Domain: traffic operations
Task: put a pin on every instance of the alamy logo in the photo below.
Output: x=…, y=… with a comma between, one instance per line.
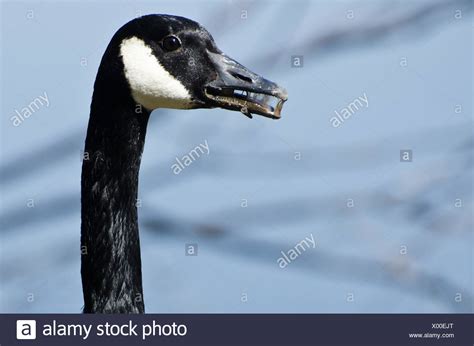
x=26, y=330
x=190, y=157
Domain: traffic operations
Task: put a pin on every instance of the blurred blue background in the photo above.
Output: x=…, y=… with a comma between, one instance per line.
x=390, y=236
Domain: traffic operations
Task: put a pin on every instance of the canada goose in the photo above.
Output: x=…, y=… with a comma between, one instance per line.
x=155, y=61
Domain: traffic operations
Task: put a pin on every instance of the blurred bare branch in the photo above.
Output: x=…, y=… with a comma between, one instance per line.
x=390, y=274
x=411, y=22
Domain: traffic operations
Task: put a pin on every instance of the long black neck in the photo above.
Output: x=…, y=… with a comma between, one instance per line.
x=110, y=246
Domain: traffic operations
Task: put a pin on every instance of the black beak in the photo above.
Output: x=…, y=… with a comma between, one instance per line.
x=238, y=88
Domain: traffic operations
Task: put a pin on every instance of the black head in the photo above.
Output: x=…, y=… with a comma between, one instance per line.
x=173, y=62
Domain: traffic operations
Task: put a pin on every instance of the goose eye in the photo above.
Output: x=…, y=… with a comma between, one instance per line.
x=171, y=43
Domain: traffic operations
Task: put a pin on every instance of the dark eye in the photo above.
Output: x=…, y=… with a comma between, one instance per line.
x=171, y=43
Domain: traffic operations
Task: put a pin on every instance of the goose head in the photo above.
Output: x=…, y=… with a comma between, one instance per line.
x=173, y=62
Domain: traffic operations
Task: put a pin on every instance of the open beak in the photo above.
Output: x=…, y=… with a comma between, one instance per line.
x=238, y=88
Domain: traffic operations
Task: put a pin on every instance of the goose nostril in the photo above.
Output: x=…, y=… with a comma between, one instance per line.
x=241, y=77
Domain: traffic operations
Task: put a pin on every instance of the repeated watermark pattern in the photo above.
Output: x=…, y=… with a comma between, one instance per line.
x=343, y=111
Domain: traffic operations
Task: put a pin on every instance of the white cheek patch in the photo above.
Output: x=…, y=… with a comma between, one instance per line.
x=152, y=86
